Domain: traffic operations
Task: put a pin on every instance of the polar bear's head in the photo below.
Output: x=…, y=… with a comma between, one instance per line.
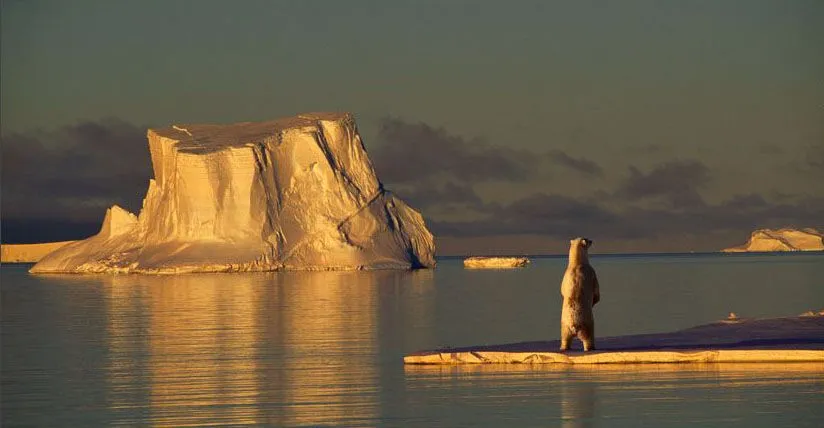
x=578, y=250
x=582, y=243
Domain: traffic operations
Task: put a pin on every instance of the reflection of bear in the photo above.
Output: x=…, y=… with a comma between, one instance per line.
x=580, y=290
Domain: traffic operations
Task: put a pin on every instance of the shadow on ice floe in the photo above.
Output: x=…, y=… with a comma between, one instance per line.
x=788, y=339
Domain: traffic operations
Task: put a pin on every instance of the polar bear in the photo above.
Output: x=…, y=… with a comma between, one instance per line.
x=581, y=292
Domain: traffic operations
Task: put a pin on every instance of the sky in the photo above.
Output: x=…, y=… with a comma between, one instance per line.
x=512, y=126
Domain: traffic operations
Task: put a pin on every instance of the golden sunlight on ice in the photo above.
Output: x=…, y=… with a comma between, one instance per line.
x=296, y=193
x=790, y=339
x=28, y=253
x=495, y=262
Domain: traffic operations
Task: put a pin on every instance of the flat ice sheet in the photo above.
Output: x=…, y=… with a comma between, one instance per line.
x=763, y=340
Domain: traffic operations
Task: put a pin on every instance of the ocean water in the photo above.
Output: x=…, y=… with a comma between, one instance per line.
x=326, y=348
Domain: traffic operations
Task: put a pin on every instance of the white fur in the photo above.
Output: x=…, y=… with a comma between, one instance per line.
x=581, y=292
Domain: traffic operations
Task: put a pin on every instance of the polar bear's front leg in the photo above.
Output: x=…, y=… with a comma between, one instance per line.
x=567, y=334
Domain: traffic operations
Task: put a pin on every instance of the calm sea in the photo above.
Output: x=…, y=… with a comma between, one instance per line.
x=326, y=348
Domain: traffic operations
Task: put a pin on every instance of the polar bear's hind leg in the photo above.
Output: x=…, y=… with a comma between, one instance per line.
x=587, y=336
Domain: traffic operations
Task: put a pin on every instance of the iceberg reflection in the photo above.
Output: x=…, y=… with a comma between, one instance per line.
x=194, y=337
x=288, y=348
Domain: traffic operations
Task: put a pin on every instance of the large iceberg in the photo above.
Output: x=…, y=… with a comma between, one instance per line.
x=808, y=239
x=297, y=193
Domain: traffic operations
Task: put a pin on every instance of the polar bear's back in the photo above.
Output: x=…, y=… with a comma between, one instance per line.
x=578, y=290
x=579, y=283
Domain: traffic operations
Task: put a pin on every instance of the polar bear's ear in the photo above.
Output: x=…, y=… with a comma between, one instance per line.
x=587, y=242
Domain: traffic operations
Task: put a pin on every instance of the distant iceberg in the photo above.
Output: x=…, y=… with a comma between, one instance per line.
x=495, y=262
x=28, y=253
x=298, y=193
x=765, y=240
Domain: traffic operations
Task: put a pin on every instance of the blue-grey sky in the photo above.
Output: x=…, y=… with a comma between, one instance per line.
x=653, y=125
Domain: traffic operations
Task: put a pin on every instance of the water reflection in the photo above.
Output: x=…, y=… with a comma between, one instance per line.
x=325, y=348
x=127, y=365
x=577, y=404
x=193, y=338
x=281, y=349
x=325, y=344
x=622, y=395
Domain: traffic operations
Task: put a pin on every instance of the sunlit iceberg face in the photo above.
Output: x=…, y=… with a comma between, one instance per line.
x=297, y=193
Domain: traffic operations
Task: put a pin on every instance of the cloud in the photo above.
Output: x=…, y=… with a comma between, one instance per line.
x=436, y=171
x=74, y=173
x=742, y=213
x=770, y=149
x=814, y=161
x=57, y=184
x=559, y=216
x=675, y=182
x=448, y=195
x=541, y=214
x=417, y=152
x=744, y=203
x=584, y=166
x=412, y=152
